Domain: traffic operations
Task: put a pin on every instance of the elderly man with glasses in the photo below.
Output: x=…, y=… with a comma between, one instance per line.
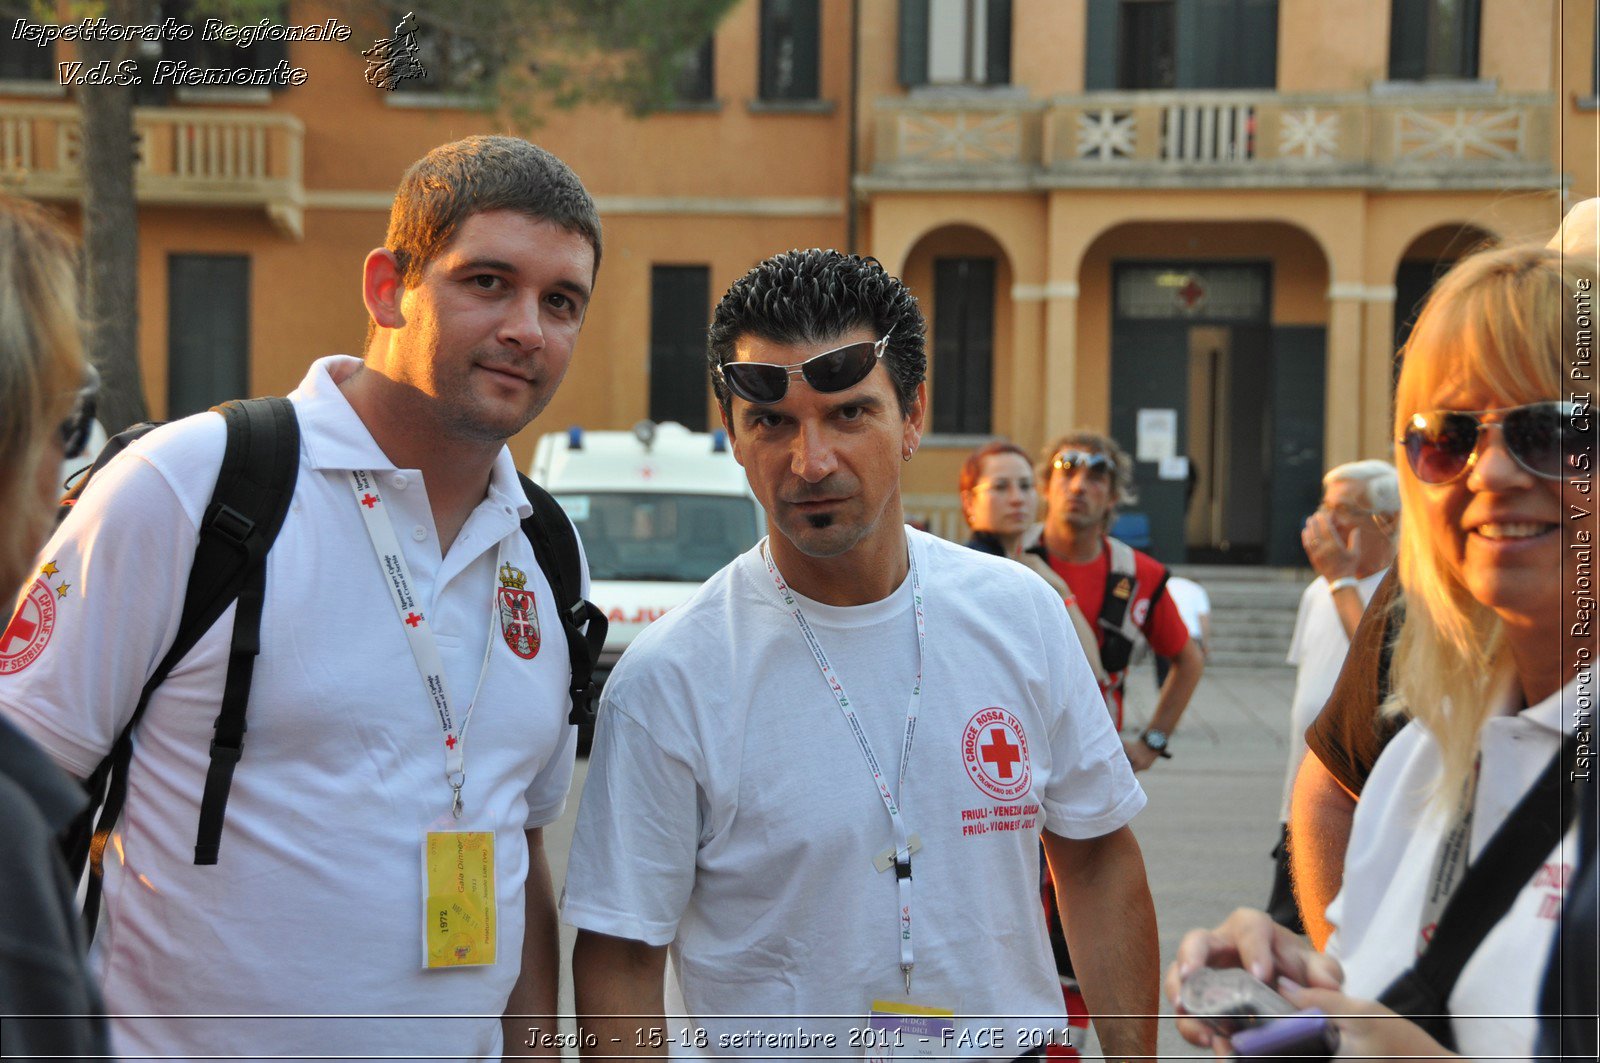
x=1350, y=542
x=849, y=874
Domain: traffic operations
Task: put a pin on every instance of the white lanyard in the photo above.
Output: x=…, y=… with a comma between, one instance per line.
x=905, y=843
x=1450, y=861
x=419, y=634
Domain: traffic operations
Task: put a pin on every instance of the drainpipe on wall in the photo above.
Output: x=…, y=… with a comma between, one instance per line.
x=855, y=89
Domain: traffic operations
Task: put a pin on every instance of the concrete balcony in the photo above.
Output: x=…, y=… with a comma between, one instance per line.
x=194, y=157
x=1421, y=139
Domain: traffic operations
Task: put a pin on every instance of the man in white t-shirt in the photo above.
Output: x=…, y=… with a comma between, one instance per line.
x=312, y=918
x=822, y=781
x=1350, y=542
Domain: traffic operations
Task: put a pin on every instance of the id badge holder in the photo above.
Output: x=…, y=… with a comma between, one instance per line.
x=897, y=1030
x=459, y=924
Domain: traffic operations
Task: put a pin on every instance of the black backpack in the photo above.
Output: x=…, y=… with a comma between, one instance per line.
x=247, y=509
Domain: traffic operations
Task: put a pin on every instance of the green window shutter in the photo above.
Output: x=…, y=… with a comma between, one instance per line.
x=1408, y=40
x=1227, y=44
x=997, y=67
x=1100, y=58
x=1257, y=64
x=913, y=42
x=789, y=49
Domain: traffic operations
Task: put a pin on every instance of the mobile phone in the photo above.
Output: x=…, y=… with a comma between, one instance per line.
x=1230, y=999
x=1309, y=1034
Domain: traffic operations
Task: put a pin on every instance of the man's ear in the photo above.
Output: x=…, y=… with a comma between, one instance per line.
x=916, y=412
x=733, y=438
x=382, y=288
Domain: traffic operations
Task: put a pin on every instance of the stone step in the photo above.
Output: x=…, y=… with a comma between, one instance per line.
x=1247, y=622
x=1221, y=657
x=1207, y=575
x=1257, y=596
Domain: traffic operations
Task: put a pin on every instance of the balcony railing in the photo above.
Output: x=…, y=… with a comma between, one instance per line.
x=1214, y=137
x=186, y=156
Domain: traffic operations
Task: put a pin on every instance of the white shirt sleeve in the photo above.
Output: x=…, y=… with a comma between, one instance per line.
x=1091, y=790
x=121, y=561
x=632, y=864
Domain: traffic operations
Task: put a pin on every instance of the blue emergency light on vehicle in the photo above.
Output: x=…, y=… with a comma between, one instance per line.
x=719, y=441
x=575, y=438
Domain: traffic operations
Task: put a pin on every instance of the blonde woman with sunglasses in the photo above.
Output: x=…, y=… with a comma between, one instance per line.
x=45, y=407
x=1494, y=663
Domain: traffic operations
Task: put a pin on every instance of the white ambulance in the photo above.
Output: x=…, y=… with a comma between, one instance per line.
x=659, y=510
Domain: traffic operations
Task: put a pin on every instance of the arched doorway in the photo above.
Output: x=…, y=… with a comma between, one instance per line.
x=1217, y=357
x=1424, y=261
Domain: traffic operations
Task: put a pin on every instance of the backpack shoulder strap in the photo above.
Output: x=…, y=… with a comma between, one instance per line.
x=555, y=547
x=248, y=507
x=254, y=487
x=1487, y=892
x=1117, y=630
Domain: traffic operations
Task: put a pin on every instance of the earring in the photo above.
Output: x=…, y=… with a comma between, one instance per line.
x=908, y=452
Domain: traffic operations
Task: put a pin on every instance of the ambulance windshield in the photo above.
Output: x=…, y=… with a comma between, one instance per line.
x=669, y=538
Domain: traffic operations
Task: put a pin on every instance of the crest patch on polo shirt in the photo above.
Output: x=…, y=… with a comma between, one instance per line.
x=28, y=633
x=519, y=613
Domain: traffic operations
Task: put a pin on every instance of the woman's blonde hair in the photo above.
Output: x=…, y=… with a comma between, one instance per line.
x=41, y=370
x=1504, y=322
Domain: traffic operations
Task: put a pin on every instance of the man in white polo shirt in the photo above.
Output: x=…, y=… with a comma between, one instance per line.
x=839, y=873
x=356, y=780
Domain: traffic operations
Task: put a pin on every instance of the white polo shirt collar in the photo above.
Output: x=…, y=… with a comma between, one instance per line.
x=335, y=438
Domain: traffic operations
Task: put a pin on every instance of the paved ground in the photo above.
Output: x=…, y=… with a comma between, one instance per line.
x=1212, y=818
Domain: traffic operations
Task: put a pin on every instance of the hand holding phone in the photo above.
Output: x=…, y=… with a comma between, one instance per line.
x=1229, y=999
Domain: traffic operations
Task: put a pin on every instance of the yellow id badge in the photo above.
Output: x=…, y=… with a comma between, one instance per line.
x=458, y=912
x=897, y=1030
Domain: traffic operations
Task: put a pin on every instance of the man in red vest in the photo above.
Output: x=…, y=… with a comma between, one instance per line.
x=1120, y=594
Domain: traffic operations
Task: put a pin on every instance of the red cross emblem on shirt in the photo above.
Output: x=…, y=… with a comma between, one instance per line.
x=414, y=619
x=369, y=500
x=450, y=741
x=994, y=750
x=19, y=628
x=1000, y=753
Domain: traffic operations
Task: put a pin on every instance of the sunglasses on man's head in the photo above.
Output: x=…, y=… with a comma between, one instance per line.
x=75, y=428
x=764, y=383
x=1542, y=437
x=1094, y=464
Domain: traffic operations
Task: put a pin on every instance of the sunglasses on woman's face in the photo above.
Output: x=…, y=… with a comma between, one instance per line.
x=1544, y=438
x=765, y=383
x=75, y=429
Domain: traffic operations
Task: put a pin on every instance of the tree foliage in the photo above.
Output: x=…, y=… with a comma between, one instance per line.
x=533, y=53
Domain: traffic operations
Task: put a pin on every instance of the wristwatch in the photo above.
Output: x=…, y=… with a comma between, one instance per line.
x=1157, y=741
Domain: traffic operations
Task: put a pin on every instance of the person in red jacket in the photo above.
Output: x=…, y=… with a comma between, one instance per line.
x=1085, y=476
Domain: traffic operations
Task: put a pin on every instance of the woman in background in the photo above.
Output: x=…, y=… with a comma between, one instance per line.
x=998, y=498
x=45, y=414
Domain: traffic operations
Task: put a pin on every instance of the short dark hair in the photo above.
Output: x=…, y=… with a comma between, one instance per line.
x=815, y=296
x=454, y=181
